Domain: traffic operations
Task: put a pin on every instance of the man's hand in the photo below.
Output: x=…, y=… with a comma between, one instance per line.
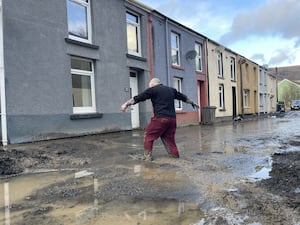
x=195, y=105
x=126, y=104
x=192, y=103
x=124, y=107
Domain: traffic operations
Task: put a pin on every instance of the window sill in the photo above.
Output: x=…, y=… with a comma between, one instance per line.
x=180, y=111
x=75, y=42
x=199, y=72
x=85, y=116
x=136, y=57
x=177, y=67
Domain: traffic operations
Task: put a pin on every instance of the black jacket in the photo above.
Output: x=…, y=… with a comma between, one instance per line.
x=162, y=98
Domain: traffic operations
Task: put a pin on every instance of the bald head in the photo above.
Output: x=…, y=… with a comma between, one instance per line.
x=153, y=82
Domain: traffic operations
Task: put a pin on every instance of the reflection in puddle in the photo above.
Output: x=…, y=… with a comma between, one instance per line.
x=261, y=174
x=71, y=198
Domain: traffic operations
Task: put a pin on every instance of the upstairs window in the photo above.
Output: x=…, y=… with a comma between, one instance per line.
x=79, y=20
x=219, y=64
x=83, y=87
x=232, y=68
x=175, y=49
x=199, y=61
x=133, y=34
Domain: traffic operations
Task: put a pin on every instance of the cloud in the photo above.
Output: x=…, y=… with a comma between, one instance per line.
x=280, y=57
x=202, y=16
x=258, y=57
x=274, y=18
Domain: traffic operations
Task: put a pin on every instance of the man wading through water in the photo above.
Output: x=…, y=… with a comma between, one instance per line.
x=163, y=123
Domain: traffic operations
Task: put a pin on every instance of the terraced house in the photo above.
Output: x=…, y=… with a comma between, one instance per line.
x=223, y=79
x=67, y=65
x=179, y=60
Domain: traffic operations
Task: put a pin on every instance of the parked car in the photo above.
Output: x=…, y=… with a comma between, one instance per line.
x=295, y=105
x=280, y=106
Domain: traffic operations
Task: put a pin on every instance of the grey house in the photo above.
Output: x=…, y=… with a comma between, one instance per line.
x=67, y=65
x=179, y=60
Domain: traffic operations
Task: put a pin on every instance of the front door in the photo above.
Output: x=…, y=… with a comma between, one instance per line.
x=234, y=102
x=135, y=118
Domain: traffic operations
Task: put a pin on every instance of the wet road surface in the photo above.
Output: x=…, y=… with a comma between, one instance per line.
x=100, y=179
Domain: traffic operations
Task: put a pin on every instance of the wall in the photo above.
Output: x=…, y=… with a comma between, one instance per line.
x=163, y=69
x=227, y=112
x=37, y=62
x=250, y=82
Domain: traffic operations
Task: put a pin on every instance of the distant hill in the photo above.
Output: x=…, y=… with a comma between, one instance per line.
x=291, y=73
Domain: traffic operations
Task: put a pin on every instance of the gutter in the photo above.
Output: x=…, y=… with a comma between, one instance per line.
x=2, y=82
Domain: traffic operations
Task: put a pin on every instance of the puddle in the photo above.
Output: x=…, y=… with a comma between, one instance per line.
x=71, y=198
x=262, y=174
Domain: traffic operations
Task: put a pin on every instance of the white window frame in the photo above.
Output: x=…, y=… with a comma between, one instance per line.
x=177, y=84
x=175, y=49
x=219, y=64
x=245, y=98
x=88, y=21
x=91, y=109
x=232, y=69
x=199, y=58
x=137, y=26
x=221, y=97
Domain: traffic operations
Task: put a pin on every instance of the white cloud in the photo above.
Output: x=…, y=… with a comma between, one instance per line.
x=265, y=31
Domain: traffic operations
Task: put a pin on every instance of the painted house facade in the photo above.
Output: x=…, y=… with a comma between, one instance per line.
x=248, y=87
x=179, y=60
x=223, y=79
x=65, y=75
x=272, y=92
x=262, y=90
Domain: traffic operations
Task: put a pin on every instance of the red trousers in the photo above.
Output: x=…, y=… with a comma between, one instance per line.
x=164, y=128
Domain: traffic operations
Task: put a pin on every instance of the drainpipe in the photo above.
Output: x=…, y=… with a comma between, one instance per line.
x=2, y=82
x=207, y=73
x=168, y=53
x=150, y=47
x=242, y=61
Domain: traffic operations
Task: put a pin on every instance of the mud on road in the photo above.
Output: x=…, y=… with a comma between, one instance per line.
x=241, y=173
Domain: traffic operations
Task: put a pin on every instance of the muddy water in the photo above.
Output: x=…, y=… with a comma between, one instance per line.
x=100, y=179
x=71, y=198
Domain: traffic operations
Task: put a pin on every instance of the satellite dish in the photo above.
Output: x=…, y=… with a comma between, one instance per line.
x=191, y=55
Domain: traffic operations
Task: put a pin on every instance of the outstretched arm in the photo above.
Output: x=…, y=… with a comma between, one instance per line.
x=192, y=103
x=126, y=104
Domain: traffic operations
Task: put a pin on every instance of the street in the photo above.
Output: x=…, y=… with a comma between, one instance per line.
x=241, y=172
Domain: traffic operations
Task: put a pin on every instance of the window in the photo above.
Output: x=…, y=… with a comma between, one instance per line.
x=199, y=63
x=133, y=34
x=246, y=98
x=220, y=64
x=175, y=54
x=79, y=20
x=83, y=88
x=221, y=96
x=232, y=68
x=177, y=85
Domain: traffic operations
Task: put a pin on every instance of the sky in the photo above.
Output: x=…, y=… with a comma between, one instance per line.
x=264, y=31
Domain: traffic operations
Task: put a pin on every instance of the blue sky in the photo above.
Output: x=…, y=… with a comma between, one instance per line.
x=265, y=31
